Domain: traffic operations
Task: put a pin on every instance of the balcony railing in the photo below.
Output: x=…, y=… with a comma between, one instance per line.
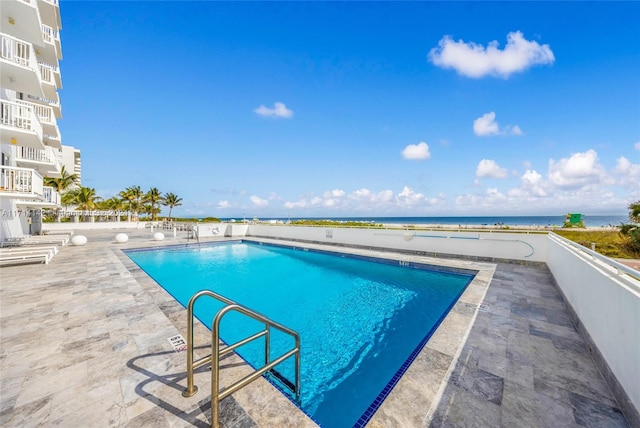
x=51, y=38
x=20, y=116
x=49, y=35
x=53, y=103
x=18, y=52
x=23, y=181
x=46, y=73
x=50, y=195
x=44, y=113
x=46, y=156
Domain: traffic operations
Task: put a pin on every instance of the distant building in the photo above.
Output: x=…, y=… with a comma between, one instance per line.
x=70, y=159
x=30, y=140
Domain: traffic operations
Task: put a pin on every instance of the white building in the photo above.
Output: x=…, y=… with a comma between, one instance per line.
x=70, y=159
x=29, y=135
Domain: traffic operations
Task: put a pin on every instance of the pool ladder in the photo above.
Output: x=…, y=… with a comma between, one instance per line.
x=216, y=353
x=195, y=233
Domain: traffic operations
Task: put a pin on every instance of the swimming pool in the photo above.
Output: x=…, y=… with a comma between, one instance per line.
x=361, y=321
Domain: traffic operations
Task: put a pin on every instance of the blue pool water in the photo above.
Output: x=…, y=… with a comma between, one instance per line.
x=360, y=322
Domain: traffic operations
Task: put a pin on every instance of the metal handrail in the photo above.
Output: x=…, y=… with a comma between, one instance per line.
x=619, y=267
x=214, y=359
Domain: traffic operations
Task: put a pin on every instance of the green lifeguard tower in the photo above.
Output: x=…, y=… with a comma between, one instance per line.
x=573, y=220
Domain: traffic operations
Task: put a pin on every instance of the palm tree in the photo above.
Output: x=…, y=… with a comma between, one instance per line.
x=60, y=184
x=634, y=212
x=154, y=197
x=171, y=200
x=114, y=204
x=127, y=197
x=133, y=194
x=84, y=198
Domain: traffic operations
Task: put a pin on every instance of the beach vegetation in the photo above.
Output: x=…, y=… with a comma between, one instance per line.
x=171, y=200
x=634, y=212
x=623, y=243
x=607, y=242
x=152, y=199
x=630, y=232
x=60, y=185
x=335, y=223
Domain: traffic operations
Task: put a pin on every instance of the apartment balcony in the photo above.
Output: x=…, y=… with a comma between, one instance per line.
x=51, y=50
x=50, y=196
x=49, y=12
x=20, y=70
x=52, y=140
x=49, y=81
x=22, y=20
x=55, y=105
x=45, y=115
x=21, y=183
x=20, y=125
x=50, y=199
x=45, y=161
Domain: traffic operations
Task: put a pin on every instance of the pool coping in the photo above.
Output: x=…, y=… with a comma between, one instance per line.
x=422, y=380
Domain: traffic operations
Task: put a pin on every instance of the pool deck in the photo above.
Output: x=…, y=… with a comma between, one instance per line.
x=84, y=342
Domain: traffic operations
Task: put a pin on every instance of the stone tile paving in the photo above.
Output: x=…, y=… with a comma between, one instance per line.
x=83, y=342
x=524, y=364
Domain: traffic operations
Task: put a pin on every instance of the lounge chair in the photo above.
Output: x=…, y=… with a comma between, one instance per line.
x=15, y=236
x=16, y=257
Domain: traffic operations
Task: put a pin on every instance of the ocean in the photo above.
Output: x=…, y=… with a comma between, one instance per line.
x=589, y=221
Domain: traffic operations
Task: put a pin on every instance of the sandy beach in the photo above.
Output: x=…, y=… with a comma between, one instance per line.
x=492, y=227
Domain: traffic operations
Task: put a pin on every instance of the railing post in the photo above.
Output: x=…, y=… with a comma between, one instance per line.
x=215, y=370
x=191, y=388
x=267, y=346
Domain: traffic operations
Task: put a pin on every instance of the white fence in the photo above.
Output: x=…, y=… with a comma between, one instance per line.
x=606, y=300
x=485, y=245
x=53, y=227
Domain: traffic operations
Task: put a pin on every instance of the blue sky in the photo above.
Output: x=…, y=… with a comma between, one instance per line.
x=318, y=109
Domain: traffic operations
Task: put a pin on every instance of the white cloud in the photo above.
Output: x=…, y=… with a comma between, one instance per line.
x=408, y=197
x=366, y=200
x=628, y=174
x=418, y=151
x=302, y=203
x=489, y=168
x=486, y=125
x=533, y=183
x=491, y=198
x=576, y=171
x=514, y=130
x=575, y=183
x=279, y=110
x=224, y=204
x=258, y=202
x=637, y=145
x=476, y=61
x=333, y=198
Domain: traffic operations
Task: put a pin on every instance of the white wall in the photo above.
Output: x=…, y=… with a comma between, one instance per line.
x=608, y=305
x=93, y=226
x=208, y=230
x=500, y=245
